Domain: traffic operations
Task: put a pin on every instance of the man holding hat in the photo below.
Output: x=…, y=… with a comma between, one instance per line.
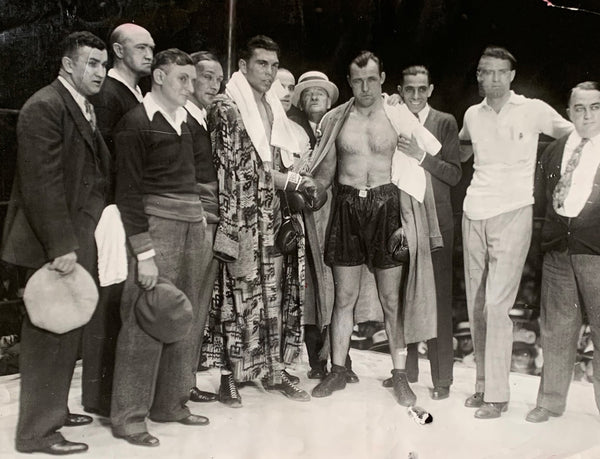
x=58, y=195
x=164, y=221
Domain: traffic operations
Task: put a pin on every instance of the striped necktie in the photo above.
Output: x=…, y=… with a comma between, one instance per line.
x=561, y=191
x=90, y=114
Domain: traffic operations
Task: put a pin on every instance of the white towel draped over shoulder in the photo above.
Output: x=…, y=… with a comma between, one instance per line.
x=112, y=252
x=282, y=135
x=407, y=174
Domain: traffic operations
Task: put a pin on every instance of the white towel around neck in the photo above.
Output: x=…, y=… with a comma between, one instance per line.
x=282, y=135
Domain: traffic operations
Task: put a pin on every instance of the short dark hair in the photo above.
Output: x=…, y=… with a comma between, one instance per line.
x=499, y=52
x=363, y=59
x=171, y=56
x=585, y=85
x=258, y=42
x=72, y=42
x=416, y=70
x=200, y=56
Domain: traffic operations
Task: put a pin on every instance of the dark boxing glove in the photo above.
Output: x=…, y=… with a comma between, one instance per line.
x=315, y=201
x=398, y=246
x=296, y=201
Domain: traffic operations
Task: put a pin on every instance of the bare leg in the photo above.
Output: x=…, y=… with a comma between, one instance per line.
x=347, y=288
x=388, y=289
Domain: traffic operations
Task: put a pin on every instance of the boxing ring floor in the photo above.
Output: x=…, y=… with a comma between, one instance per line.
x=362, y=421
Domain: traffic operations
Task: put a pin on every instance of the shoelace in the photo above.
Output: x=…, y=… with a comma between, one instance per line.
x=233, y=392
x=287, y=382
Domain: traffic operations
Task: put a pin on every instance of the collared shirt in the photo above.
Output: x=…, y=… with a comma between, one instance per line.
x=582, y=180
x=137, y=92
x=505, y=147
x=151, y=107
x=79, y=98
x=423, y=114
x=313, y=126
x=199, y=114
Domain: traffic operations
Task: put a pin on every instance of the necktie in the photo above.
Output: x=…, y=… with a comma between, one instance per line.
x=90, y=114
x=561, y=191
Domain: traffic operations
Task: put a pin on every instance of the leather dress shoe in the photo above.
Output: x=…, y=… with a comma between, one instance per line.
x=491, y=410
x=200, y=396
x=75, y=420
x=387, y=383
x=293, y=379
x=440, y=392
x=62, y=448
x=141, y=439
x=316, y=373
x=539, y=414
x=194, y=420
x=336, y=380
x=475, y=400
x=351, y=377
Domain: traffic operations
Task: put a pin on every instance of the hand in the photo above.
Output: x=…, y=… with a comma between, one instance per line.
x=410, y=147
x=64, y=264
x=309, y=186
x=394, y=99
x=147, y=273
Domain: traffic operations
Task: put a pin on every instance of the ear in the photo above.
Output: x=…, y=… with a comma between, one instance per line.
x=512, y=75
x=430, y=90
x=158, y=76
x=399, y=89
x=242, y=66
x=118, y=50
x=67, y=64
x=569, y=114
x=382, y=77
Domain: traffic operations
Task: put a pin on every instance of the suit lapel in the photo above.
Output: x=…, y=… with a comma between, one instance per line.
x=83, y=125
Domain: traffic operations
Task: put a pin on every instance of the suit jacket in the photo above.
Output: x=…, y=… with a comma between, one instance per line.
x=445, y=167
x=299, y=117
x=578, y=235
x=110, y=104
x=60, y=163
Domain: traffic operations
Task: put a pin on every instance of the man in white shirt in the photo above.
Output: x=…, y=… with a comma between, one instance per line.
x=567, y=188
x=497, y=218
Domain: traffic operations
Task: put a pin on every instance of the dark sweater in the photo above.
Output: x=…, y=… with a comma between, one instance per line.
x=151, y=160
x=577, y=235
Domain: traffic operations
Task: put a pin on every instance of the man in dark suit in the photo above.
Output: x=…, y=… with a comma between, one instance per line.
x=567, y=191
x=415, y=90
x=58, y=196
x=132, y=49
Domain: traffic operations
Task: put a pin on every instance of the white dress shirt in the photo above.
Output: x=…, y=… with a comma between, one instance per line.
x=79, y=98
x=505, y=147
x=582, y=179
x=152, y=107
x=199, y=114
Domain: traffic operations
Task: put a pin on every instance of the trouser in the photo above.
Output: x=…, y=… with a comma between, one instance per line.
x=46, y=364
x=153, y=378
x=207, y=275
x=569, y=283
x=495, y=250
x=440, y=351
x=98, y=349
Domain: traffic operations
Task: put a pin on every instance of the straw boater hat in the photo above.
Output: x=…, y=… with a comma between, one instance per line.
x=315, y=79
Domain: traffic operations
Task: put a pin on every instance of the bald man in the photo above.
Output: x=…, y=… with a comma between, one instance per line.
x=132, y=50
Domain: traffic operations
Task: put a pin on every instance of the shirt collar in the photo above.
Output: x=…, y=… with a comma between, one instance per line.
x=575, y=139
x=424, y=113
x=514, y=99
x=79, y=98
x=199, y=114
x=151, y=107
x=137, y=92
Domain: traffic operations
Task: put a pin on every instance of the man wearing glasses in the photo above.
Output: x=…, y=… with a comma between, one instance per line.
x=497, y=217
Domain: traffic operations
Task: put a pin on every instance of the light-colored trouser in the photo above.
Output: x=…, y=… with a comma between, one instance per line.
x=495, y=250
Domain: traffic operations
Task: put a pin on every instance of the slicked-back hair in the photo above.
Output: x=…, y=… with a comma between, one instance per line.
x=363, y=59
x=171, y=56
x=416, y=70
x=200, y=56
x=72, y=42
x=499, y=52
x=585, y=85
x=258, y=42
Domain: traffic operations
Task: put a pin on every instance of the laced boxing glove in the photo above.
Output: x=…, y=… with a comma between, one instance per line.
x=316, y=201
x=296, y=201
x=398, y=246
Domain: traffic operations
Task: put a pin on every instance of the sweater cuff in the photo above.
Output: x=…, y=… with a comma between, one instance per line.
x=141, y=243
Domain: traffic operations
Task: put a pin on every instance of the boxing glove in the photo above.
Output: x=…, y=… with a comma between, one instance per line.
x=398, y=246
